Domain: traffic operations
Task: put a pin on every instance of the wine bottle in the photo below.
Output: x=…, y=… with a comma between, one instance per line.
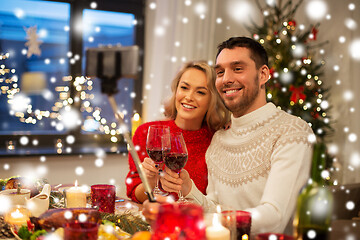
x=315, y=202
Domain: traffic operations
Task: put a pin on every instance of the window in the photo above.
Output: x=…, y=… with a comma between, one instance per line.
x=43, y=58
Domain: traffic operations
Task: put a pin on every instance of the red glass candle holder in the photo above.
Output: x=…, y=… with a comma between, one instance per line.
x=81, y=231
x=179, y=221
x=243, y=224
x=273, y=236
x=103, y=197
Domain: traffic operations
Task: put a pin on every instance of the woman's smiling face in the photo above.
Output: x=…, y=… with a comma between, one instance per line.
x=192, y=97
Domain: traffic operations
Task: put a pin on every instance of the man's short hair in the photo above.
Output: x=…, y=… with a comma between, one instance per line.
x=258, y=53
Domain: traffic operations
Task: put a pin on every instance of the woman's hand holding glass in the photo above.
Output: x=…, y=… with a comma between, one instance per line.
x=151, y=170
x=176, y=157
x=173, y=182
x=157, y=142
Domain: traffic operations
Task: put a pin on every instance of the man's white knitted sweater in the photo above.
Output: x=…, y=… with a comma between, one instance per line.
x=259, y=165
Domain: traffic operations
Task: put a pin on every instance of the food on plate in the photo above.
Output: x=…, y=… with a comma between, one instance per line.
x=56, y=218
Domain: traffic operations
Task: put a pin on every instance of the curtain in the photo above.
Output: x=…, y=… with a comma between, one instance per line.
x=175, y=32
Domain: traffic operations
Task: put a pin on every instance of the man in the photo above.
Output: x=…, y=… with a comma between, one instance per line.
x=263, y=160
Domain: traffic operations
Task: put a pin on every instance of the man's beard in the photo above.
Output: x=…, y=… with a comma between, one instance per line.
x=247, y=99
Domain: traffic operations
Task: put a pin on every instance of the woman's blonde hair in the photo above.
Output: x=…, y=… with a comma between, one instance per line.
x=217, y=115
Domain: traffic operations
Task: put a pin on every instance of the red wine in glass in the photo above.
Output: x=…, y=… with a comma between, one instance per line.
x=155, y=154
x=157, y=142
x=176, y=158
x=176, y=161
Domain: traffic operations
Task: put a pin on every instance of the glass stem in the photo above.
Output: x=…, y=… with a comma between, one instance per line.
x=157, y=180
x=181, y=197
x=156, y=188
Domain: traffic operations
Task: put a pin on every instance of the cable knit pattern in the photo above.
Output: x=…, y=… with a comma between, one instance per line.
x=258, y=165
x=251, y=159
x=197, y=143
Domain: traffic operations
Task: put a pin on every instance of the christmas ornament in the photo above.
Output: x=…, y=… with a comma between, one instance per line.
x=297, y=93
x=33, y=44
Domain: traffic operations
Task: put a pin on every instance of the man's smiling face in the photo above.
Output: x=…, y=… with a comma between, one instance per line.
x=237, y=80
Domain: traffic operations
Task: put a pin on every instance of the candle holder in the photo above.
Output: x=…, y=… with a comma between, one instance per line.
x=273, y=236
x=81, y=231
x=224, y=217
x=216, y=229
x=243, y=225
x=179, y=221
x=103, y=197
x=17, y=216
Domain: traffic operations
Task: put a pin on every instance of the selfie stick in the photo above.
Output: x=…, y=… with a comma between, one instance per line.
x=100, y=58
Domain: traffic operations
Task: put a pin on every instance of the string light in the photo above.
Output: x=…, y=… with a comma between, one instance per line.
x=83, y=87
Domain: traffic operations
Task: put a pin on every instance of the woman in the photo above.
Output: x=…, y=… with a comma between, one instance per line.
x=194, y=109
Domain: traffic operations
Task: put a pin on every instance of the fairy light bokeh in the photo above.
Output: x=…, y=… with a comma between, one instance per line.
x=315, y=10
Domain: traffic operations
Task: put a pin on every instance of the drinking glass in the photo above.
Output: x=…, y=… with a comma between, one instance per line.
x=176, y=158
x=81, y=231
x=158, y=142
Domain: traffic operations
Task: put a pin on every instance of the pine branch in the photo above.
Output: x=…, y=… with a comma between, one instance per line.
x=127, y=222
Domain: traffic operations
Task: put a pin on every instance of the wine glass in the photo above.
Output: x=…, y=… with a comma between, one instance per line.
x=176, y=158
x=158, y=141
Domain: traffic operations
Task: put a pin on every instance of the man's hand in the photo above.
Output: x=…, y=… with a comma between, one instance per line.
x=173, y=182
x=151, y=209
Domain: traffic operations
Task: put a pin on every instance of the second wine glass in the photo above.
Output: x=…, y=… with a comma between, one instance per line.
x=176, y=158
x=158, y=142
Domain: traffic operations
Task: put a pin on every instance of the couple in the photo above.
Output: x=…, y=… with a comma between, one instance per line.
x=261, y=162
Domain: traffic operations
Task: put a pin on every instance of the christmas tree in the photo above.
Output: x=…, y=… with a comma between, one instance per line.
x=296, y=83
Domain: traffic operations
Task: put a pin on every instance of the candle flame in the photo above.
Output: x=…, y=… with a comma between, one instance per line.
x=136, y=117
x=218, y=209
x=215, y=221
x=245, y=237
x=17, y=214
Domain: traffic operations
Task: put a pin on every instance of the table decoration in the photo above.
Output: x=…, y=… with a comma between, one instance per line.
x=75, y=197
x=81, y=231
x=273, y=236
x=103, y=197
x=215, y=230
x=179, y=221
x=243, y=225
x=28, y=232
x=17, y=217
x=5, y=231
x=126, y=220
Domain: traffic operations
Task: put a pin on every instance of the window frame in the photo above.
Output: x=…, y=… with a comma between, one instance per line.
x=136, y=7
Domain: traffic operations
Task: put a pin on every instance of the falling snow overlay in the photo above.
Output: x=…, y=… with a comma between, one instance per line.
x=192, y=32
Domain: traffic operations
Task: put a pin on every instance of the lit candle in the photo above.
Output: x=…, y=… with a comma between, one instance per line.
x=217, y=231
x=135, y=123
x=75, y=197
x=17, y=217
